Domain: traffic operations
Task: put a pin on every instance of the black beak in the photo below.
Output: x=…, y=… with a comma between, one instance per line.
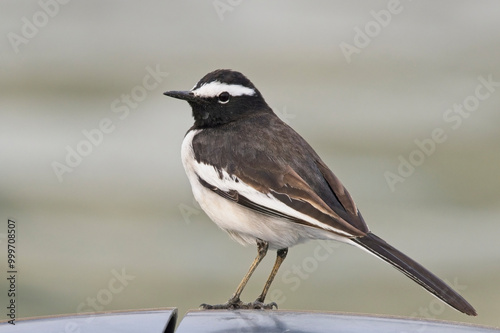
x=184, y=95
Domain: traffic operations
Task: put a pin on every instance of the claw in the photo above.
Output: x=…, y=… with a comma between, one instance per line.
x=260, y=305
x=237, y=304
x=225, y=306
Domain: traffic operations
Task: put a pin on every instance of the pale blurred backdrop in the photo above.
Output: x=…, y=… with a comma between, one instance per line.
x=362, y=81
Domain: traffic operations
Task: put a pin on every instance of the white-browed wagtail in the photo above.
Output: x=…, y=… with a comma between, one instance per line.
x=260, y=181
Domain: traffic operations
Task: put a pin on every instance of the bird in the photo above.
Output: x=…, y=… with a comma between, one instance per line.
x=262, y=183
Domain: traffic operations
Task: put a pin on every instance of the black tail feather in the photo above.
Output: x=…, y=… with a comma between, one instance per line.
x=414, y=271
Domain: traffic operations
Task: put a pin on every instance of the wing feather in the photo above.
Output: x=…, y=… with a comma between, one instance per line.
x=289, y=171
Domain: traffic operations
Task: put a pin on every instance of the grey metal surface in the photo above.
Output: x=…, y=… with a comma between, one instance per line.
x=157, y=320
x=311, y=322
x=242, y=321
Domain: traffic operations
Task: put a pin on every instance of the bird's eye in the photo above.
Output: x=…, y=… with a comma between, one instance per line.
x=224, y=97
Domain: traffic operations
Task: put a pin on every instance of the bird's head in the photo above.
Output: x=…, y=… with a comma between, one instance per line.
x=220, y=97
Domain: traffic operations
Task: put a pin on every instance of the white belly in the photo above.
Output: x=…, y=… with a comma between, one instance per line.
x=243, y=224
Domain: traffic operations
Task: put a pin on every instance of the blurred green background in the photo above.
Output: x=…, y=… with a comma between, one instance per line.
x=126, y=209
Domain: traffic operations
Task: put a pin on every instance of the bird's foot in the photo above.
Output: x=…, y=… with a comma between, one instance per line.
x=225, y=306
x=236, y=304
x=261, y=305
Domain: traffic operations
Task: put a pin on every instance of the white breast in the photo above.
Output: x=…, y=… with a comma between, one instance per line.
x=244, y=224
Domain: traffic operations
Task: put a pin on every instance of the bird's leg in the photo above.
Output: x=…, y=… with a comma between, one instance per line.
x=234, y=302
x=262, y=247
x=280, y=257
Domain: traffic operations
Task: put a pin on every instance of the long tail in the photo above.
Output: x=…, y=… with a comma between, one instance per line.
x=414, y=271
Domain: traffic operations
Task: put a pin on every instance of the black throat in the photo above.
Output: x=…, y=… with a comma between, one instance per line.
x=213, y=114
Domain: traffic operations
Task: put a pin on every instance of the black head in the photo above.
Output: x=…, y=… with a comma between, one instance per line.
x=220, y=97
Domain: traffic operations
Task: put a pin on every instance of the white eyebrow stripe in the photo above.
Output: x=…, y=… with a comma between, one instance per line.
x=214, y=88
